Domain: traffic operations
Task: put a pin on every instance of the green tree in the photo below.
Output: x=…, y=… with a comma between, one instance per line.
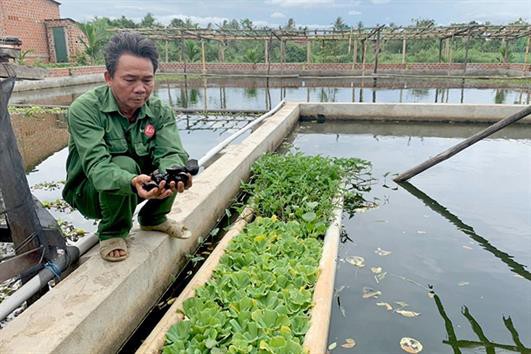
x=94, y=38
x=340, y=25
x=122, y=22
x=290, y=25
x=247, y=24
x=149, y=21
x=251, y=56
x=191, y=51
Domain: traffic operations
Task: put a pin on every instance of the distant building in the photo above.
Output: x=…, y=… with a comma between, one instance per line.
x=38, y=24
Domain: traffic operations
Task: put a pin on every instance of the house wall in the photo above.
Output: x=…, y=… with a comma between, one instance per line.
x=25, y=19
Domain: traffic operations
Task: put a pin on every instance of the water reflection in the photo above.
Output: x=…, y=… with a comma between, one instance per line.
x=484, y=342
x=469, y=230
x=262, y=94
x=39, y=137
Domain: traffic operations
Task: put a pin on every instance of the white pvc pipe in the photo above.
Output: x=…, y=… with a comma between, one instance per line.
x=84, y=244
x=29, y=289
x=216, y=149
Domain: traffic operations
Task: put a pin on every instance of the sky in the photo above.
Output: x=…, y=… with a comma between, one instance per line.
x=310, y=13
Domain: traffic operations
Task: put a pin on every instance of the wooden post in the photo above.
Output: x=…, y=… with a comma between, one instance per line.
x=467, y=40
x=308, y=52
x=527, y=49
x=20, y=208
x=166, y=51
x=203, y=58
x=183, y=54
x=349, y=40
x=364, y=57
x=269, y=60
x=266, y=51
x=376, y=52
x=463, y=145
x=440, y=49
x=355, y=53
x=221, y=52
x=282, y=58
x=506, y=54
x=404, y=47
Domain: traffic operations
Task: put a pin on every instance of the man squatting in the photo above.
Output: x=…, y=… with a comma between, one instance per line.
x=118, y=135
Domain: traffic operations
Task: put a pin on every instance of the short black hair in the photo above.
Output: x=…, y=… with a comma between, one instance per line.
x=129, y=43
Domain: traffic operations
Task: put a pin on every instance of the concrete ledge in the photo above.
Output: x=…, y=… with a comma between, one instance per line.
x=95, y=308
x=420, y=112
x=57, y=82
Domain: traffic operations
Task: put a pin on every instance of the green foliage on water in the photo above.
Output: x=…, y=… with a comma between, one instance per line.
x=259, y=297
x=34, y=111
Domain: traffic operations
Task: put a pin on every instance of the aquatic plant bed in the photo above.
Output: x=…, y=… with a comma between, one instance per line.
x=259, y=297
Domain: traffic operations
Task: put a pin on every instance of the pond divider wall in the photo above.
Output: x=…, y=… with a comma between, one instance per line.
x=57, y=82
x=316, y=338
x=418, y=112
x=95, y=308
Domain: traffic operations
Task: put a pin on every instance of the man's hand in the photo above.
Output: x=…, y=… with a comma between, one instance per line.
x=160, y=192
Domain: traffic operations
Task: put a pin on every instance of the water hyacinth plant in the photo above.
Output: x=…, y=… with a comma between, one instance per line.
x=259, y=297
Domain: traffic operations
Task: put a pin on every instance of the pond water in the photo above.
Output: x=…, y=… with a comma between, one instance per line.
x=461, y=228
x=239, y=94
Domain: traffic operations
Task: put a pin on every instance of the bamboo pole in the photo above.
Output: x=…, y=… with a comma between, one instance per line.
x=308, y=52
x=404, y=47
x=462, y=145
x=221, y=53
x=364, y=58
x=505, y=42
x=450, y=59
x=440, y=50
x=203, y=57
x=467, y=40
x=527, y=49
x=282, y=54
x=376, y=53
x=350, y=40
x=355, y=53
x=266, y=51
x=183, y=55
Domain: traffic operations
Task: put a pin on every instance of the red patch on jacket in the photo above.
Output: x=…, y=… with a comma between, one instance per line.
x=149, y=130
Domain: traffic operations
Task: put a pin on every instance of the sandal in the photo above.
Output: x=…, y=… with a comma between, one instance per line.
x=170, y=227
x=113, y=244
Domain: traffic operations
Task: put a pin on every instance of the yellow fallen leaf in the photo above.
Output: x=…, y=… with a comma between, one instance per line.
x=332, y=346
x=386, y=305
x=356, y=261
x=349, y=343
x=407, y=313
x=376, y=270
x=368, y=293
x=381, y=252
x=410, y=345
x=379, y=277
x=401, y=303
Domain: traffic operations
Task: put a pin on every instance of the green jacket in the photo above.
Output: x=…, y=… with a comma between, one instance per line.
x=98, y=132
